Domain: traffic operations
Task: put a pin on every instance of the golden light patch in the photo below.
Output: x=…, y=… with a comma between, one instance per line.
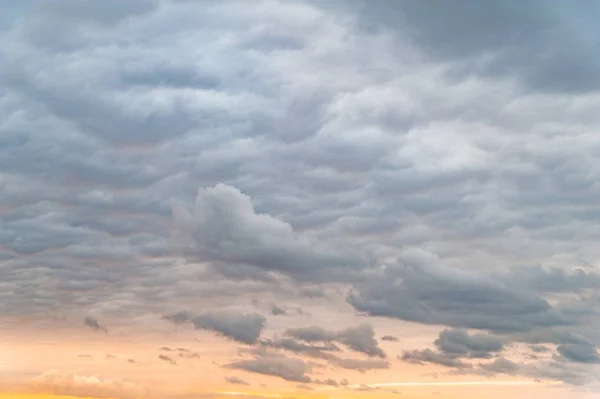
x=42, y=396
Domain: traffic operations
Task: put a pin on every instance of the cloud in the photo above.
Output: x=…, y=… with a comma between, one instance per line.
x=242, y=327
x=461, y=344
x=225, y=227
x=455, y=345
x=579, y=353
x=179, y=317
x=311, y=334
x=339, y=136
x=293, y=345
x=547, y=370
x=536, y=28
x=389, y=338
x=64, y=383
x=167, y=359
x=236, y=381
x=238, y=326
x=289, y=369
x=539, y=348
x=360, y=364
x=94, y=324
x=428, y=356
x=80, y=11
x=277, y=311
x=501, y=366
x=432, y=293
x=553, y=280
x=359, y=338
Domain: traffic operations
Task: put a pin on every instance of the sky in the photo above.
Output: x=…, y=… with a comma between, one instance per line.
x=299, y=199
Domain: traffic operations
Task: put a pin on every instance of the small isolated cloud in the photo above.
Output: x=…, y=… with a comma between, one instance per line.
x=389, y=338
x=167, y=359
x=94, y=324
x=236, y=381
x=63, y=383
x=277, y=311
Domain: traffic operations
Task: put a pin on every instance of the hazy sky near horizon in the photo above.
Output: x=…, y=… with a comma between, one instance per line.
x=299, y=199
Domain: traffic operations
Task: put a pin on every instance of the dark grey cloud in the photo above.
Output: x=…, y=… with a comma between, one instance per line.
x=277, y=311
x=242, y=327
x=462, y=344
x=535, y=42
x=432, y=293
x=579, y=353
x=94, y=324
x=390, y=338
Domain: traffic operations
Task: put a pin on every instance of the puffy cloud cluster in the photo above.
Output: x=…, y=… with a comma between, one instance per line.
x=57, y=382
x=225, y=228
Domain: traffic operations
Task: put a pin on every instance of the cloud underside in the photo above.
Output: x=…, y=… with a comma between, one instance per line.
x=410, y=155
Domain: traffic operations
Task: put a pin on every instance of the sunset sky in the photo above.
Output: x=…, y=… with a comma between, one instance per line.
x=299, y=199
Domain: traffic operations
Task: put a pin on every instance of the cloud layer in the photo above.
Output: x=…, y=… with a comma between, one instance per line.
x=388, y=165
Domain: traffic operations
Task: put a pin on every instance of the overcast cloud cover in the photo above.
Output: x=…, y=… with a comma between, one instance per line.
x=218, y=166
